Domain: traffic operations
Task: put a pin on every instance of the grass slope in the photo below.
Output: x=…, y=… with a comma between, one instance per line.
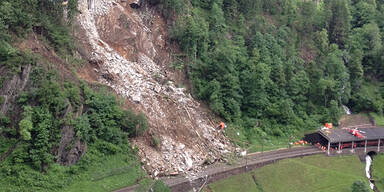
x=113, y=172
x=267, y=143
x=378, y=171
x=378, y=118
x=313, y=173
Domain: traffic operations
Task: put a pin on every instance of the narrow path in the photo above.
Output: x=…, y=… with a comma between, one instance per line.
x=221, y=171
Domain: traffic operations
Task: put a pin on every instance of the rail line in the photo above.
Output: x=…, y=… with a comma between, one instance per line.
x=217, y=172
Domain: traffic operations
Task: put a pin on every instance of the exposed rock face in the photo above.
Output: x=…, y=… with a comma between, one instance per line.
x=71, y=148
x=130, y=49
x=12, y=87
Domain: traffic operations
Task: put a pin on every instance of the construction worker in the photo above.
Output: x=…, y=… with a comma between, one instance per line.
x=221, y=127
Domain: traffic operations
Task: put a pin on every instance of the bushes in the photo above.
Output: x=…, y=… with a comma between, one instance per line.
x=368, y=98
x=19, y=17
x=72, y=92
x=155, y=142
x=46, y=111
x=82, y=128
x=26, y=124
x=134, y=125
x=159, y=186
x=15, y=18
x=4, y=123
x=107, y=148
x=14, y=59
x=359, y=186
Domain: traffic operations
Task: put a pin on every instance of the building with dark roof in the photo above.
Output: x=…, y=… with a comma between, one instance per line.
x=344, y=138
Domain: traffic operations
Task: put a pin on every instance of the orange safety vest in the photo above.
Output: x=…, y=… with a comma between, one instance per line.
x=222, y=125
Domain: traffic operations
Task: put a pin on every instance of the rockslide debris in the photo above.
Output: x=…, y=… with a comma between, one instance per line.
x=186, y=134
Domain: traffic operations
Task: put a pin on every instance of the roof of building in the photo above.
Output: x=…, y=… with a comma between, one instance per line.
x=343, y=135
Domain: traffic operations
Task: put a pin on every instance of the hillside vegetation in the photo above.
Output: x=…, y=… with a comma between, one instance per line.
x=378, y=171
x=275, y=67
x=56, y=131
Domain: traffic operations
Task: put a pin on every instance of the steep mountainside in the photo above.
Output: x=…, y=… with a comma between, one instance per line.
x=128, y=49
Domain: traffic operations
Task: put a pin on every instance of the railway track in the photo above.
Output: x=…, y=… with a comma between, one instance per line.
x=217, y=172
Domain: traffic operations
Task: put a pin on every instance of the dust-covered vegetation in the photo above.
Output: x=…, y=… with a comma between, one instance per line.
x=32, y=131
x=276, y=67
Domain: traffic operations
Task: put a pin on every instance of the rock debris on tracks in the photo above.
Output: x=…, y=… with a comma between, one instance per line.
x=211, y=174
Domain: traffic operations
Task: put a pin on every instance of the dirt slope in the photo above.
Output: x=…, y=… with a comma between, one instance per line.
x=128, y=52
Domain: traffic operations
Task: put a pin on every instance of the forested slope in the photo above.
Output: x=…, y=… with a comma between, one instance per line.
x=51, y=119
x=278, y=66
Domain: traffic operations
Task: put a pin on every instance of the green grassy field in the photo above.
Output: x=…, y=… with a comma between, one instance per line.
x=312, y=173
x=378, y=118
x=114, y=172
x=378, y=171
x=268, y=143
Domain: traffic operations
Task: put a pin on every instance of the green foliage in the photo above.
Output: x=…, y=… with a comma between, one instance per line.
x=15, y=18
x=359, y=186
x=94, y=172
x=49, y=105
x=4, y=123
x=379, y=119
x=82, y=127
x=44, y=17
x=368, y=98
x=378, y=172
x=72, y=9
x=58, y=35
x=155, y=142
x=26, y=124
x=159, y=186
x=170, y=7
x=142, y=123
x=284, y=65
x=363, y=13
x=41, y=143
x=107, y=147
x=339, y=21
x=134, y=125
x=192, y=35
x=72, y=92
x=14, y=59
x=50, y=96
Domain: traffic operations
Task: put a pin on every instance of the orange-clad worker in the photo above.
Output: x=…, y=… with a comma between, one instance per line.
x=221, y=127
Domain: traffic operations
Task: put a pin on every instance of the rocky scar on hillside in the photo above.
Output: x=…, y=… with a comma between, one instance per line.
x=127, y=50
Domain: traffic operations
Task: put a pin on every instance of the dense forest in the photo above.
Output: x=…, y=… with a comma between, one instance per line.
x=278, y=66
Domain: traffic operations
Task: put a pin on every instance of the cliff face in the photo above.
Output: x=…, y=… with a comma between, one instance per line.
x=127, y=51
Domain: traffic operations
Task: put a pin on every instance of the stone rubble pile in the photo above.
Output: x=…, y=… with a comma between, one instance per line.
x=138, y=82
